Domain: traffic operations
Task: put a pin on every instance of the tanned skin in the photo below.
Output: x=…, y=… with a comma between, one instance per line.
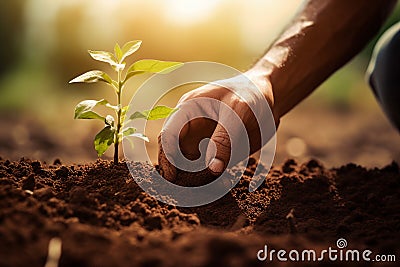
x=323, y=36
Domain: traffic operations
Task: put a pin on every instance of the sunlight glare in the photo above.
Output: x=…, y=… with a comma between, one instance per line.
x=186, y=12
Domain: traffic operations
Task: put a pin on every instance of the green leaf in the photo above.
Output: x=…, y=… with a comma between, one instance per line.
x=131, y=132
x=88, y=115
x=118, y=52
x=139, y=135
x=130, y=48
x=119, y=67
x=158, y=112
x=128, y=131
x=92, y=77
x=115, y=85
x=104, y=139
x=109, y=120
x=151, y=66
x=84, y=109
x=138, y=115
x=112, y=107
x=154, y=66
x=125, y=110
x=103, y=57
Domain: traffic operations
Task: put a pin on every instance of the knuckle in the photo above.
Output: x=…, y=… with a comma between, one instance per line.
x=222, y=140
x=189, y=95
x=240, y=103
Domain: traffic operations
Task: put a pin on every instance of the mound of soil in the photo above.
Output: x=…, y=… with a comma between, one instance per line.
x=103, y=218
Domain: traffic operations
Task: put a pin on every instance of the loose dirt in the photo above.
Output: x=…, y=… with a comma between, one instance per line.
x=103, y=218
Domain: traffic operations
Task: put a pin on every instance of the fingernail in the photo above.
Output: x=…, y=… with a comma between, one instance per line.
x=216, y=165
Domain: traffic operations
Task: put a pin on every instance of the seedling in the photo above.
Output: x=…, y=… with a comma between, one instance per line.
x=114, y=130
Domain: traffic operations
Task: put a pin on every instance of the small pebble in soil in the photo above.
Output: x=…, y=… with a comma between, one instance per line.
x=153, y=222
x=289, y=165
x=36, y=166
x=62, y=172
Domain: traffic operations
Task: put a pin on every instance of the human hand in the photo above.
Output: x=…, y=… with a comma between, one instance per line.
x=218, y=112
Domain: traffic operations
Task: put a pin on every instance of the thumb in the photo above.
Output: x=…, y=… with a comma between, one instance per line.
x=167, y=168
x=220, y=145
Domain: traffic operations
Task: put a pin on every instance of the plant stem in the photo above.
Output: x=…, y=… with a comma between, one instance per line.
x=118, y=130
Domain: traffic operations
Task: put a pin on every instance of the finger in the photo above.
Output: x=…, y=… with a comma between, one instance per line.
x=192, y=134
x=167, y=168
x=220, y=145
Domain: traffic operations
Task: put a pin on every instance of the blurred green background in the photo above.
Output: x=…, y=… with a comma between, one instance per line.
x=45, y=42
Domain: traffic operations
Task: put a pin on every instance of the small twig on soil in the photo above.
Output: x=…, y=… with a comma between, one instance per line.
x=291, y=221
x=54, y=252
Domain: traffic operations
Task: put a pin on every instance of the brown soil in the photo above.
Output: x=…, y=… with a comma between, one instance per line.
x=104, y=219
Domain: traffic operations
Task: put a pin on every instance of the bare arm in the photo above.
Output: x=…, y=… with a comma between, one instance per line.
x=324, y=35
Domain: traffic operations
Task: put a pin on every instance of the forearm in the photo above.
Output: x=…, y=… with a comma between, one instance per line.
x=324, y=35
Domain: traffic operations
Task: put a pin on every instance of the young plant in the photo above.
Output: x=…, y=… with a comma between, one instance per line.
x=114, y=131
